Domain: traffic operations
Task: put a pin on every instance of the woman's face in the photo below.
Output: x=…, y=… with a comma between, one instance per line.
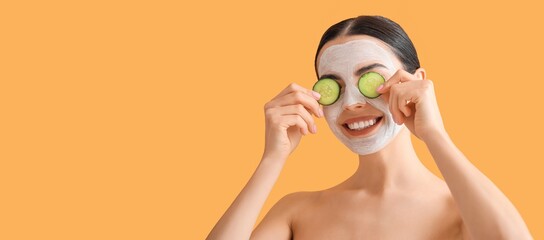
x=364, y=125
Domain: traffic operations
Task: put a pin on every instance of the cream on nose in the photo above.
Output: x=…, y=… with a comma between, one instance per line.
x=355, y=106
x=353, y=99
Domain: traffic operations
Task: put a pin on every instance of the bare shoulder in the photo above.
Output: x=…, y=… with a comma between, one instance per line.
x=440, y=198
x=451, y=212
x=277, y=222
x=448, y=214
x=293, y=202
x=300, y=197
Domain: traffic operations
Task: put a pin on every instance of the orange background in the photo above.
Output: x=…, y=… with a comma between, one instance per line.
x=143, y=120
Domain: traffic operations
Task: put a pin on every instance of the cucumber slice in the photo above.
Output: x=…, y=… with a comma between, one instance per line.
x=369, y=82
x=329, y=90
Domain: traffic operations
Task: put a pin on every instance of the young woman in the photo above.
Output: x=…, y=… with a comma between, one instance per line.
x=391, y=195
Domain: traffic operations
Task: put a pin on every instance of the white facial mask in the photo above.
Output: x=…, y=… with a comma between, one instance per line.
x=343, y=60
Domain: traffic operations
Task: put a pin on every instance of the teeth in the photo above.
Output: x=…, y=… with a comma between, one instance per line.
x=358, y=125
x=362, y=124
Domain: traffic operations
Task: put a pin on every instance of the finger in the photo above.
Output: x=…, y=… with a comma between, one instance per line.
x=403, y=106
x=298, y=98
x=400, y=76
x=295, y=120
x=293, y=87
x=301, y=111
x=394, y=108
x=404, y=98
x=280, y=114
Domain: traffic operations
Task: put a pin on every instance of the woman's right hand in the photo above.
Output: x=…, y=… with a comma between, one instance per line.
x=288, y=117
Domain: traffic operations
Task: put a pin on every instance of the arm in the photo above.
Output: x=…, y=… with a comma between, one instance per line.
x=486, y=211
x=240, y=217
x=288, y=118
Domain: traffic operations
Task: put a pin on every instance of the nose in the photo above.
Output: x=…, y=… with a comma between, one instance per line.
x=355, y=106
x=353, y=99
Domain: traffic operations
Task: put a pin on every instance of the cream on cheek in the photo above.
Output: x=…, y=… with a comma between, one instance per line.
x=343, y=60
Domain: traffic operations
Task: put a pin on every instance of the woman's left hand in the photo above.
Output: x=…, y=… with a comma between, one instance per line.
x=412, y=101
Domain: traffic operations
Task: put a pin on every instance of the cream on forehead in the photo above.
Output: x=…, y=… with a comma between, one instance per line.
x=343, y=59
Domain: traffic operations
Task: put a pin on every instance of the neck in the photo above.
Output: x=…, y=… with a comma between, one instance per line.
x=395, y=166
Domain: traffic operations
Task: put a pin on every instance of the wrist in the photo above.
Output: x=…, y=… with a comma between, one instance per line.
x=273, y=158
x=435, y=135
x=270, y=166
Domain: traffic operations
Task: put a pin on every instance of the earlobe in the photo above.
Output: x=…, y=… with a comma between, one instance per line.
x=421, y=74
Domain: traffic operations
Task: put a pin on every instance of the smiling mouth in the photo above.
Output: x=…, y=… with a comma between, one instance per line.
x=362, y=127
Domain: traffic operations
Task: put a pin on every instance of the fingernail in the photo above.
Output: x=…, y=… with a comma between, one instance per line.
x=379, y=88
x=321, y=114
x=314, y=128
x=316, y=95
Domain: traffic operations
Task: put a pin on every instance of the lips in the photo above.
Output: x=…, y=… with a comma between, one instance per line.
x=362, y=126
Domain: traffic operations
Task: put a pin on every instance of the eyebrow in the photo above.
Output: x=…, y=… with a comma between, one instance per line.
x=359, y=72
x=369, y=67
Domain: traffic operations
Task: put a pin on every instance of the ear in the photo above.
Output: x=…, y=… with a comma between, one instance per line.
x=420, y=74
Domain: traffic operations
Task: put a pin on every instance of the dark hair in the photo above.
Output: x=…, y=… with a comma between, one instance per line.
x=381, y=28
